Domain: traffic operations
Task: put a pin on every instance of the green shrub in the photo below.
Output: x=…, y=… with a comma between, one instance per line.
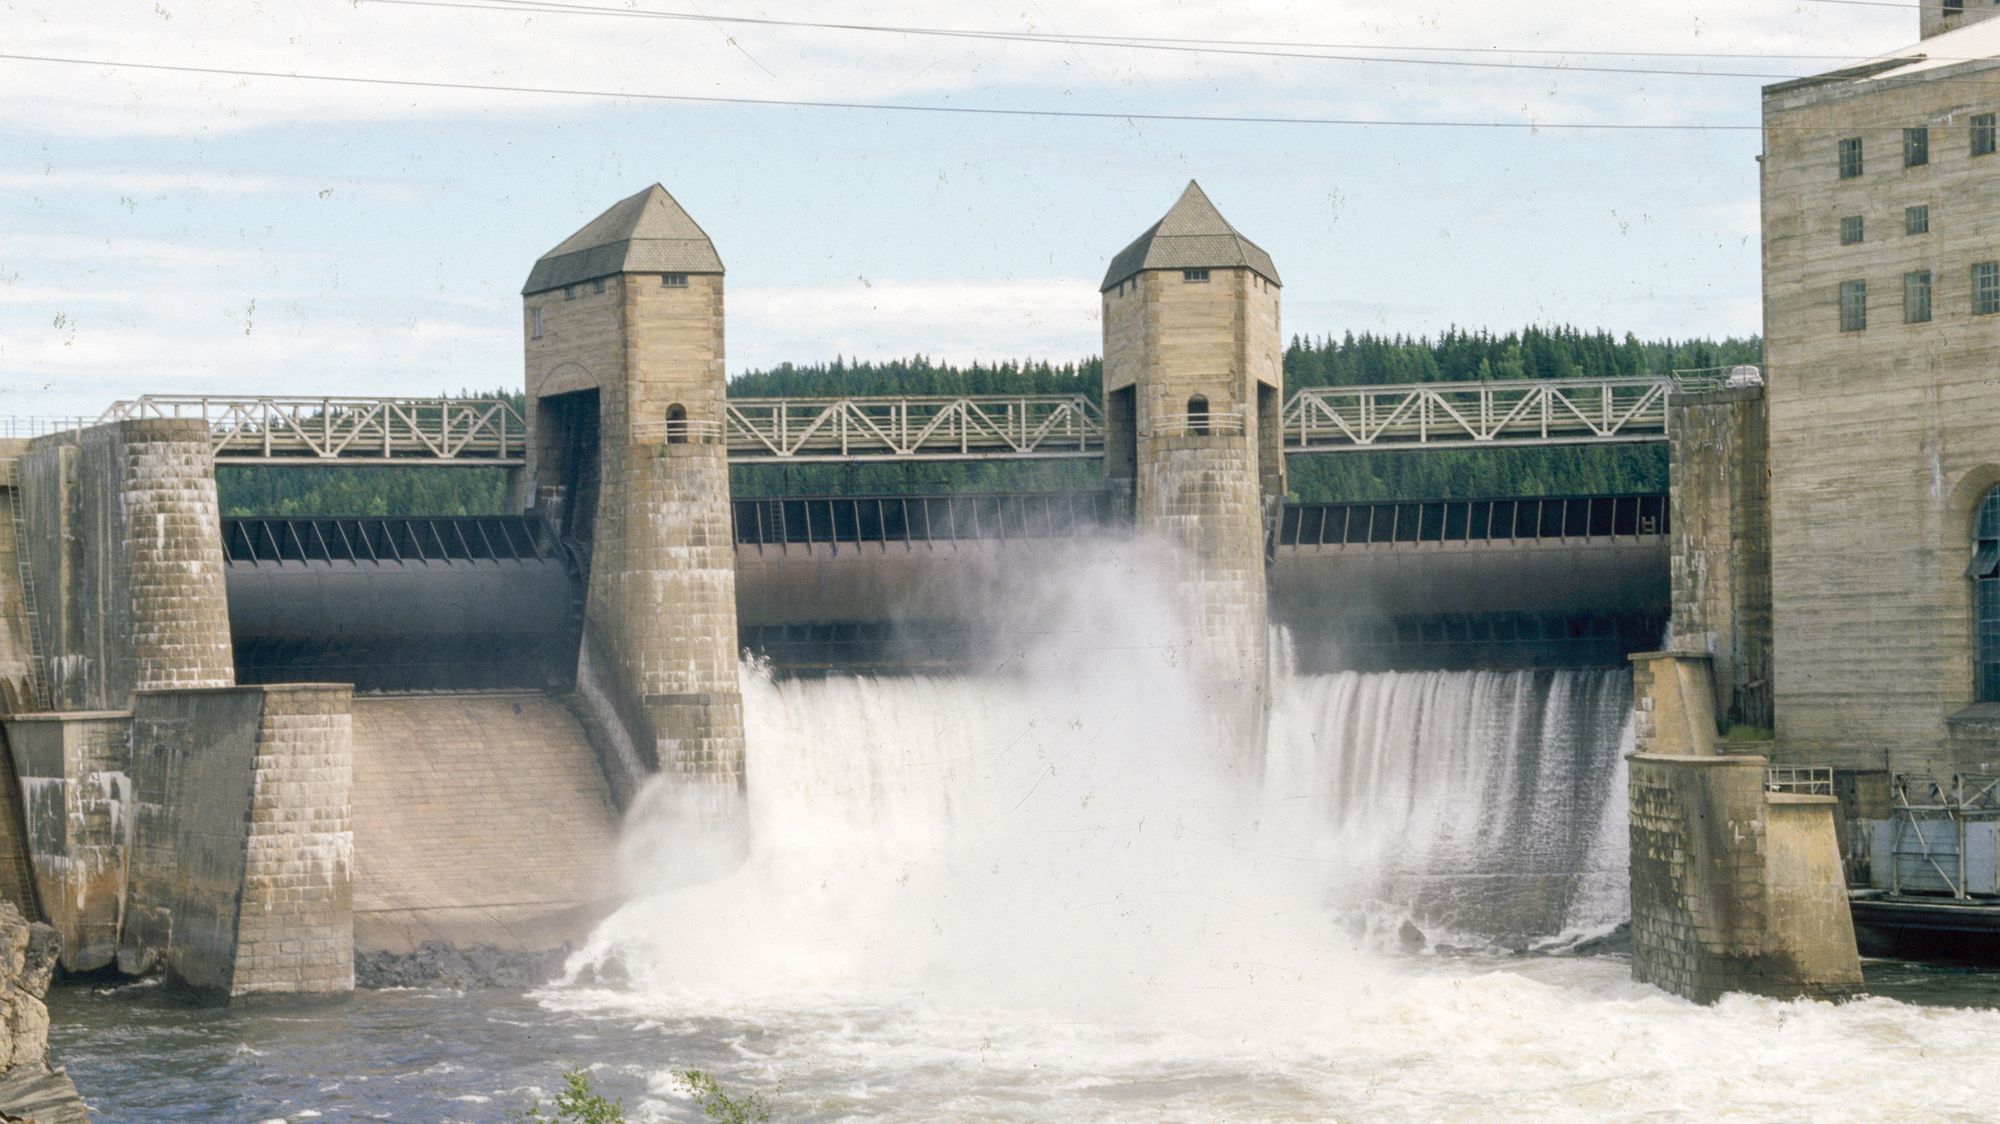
x=578, y=1103
x=719, y=1106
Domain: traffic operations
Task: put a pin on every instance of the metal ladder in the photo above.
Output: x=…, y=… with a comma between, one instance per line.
x=38, y=679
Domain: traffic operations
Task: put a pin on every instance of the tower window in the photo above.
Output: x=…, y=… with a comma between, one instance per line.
x=569, y=292
x=1985, y=288
x=1853, y=306
x=1850, y=157
x=1954, y=7
x=597, y=286
x=1917, y=220
x=1194, y=275
x=1917, y=297
x=1984, y=570
x=1850, y=230
x=677, y=426
x=535, y=323
x=1916, y=147
x=1985, y=134
x=1198, y=412
x=674, y=280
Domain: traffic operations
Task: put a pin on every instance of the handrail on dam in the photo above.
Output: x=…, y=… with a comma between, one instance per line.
x=1462, y=415
x=477, y=432
x=1553, y=518
x=915, y=428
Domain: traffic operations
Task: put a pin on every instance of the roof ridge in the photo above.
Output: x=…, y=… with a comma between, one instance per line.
x=645, y=232
x=1193, y=234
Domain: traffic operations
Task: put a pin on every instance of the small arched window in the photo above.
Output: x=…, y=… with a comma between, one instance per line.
x=1198, y=414
x=677, y=427
x=1985, y=574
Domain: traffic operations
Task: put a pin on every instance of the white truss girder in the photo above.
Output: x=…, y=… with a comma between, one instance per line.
x=470, y=431
x=966, y=427
x=1444, y=415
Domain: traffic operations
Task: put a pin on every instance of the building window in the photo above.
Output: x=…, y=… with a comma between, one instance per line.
x=1194, y=275
x=674, y=280
x=1917, y=220
x=1916, y=147
x=1853, y=306
x=1197, y=421
x=535, y=323
x=1850, y=157
x=569, y=292
x=1984, y=571
x=597, y=286
x=1985, y=288
x=1850, y=230
x=1954, y=7
x=1917, y=296
x=1985, y=134
x=677, y=424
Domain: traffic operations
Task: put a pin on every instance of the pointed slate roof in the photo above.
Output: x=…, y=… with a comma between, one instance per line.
x=1193, y=235
x=646, y=233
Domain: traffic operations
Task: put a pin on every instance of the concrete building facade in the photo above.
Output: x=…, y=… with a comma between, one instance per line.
x=1882, y=333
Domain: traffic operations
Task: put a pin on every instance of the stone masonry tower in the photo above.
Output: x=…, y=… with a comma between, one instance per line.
x=1193, y=385
x=623, y=326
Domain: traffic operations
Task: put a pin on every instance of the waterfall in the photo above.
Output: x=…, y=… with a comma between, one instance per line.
x=1486, y=807
x=1075, y=835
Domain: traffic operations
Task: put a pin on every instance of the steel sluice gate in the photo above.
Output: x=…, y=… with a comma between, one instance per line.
x=403, y=603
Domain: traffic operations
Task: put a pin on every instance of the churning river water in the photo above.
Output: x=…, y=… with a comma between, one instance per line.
x=1044, y=896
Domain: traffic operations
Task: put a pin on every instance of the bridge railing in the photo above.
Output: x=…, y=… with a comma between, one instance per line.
x=1447, y=415
x=471, y=431
x=966, y=427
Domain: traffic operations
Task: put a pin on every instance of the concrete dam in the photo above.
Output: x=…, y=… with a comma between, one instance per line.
x=251, y=748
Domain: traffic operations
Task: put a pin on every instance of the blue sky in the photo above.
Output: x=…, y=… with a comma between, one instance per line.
x=166, y=232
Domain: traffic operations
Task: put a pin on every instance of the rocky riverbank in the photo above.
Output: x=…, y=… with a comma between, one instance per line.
x=30, y=1089
x=437, y=964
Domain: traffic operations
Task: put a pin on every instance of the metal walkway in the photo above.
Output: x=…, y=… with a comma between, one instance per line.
x=906, y=428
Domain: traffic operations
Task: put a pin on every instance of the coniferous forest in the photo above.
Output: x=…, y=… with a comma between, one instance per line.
x=1351, y=360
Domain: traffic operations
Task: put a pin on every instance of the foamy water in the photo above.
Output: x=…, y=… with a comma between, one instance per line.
x=1039, y=897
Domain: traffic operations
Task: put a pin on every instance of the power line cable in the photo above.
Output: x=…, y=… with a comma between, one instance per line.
x=797, y=103
x=1213, y=47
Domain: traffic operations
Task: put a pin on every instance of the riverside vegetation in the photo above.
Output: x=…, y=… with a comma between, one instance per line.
x=1455, y=356
x=580, y=1103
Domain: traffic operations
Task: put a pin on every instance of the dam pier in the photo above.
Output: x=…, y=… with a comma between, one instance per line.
x=248, y=749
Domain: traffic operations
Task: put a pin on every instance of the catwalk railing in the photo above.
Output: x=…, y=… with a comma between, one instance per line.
x=907, y=428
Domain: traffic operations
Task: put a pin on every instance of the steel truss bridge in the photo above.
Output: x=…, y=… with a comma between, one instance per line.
x=491, y=432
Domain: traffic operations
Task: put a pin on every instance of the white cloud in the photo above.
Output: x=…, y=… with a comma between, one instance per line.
x=491, y=47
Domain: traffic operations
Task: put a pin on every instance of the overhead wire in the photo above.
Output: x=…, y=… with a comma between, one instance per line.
x=894, y=107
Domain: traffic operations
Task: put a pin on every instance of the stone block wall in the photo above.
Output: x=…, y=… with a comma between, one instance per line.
x=1673, y=709
x=125, y=544
x=241, y=869
x=16, y=659
x=1199, y=495
x=77, y=810
x=1720, y=564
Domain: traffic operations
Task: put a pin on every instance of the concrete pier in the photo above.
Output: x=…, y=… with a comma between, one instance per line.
x=1193, y=365
x=624, y=351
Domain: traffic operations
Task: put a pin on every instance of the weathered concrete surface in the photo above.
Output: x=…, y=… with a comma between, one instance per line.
x=1673, y=706
x=125, y=544
x=242, y=854
x=1733, y=889
x=76, y=799
x=479, y=820
x=1721, y=558
x=16, y=658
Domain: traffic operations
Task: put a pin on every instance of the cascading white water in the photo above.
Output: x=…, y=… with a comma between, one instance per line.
x=1485, y=806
